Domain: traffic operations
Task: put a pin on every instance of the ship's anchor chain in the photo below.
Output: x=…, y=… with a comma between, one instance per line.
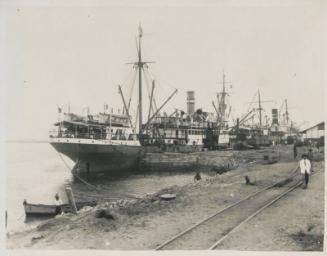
x=75, y=175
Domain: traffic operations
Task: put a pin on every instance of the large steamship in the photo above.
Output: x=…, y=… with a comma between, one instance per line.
x=102, y=143
x=112, y=142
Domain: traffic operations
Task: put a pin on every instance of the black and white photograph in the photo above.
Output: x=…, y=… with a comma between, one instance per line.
x=173, y=126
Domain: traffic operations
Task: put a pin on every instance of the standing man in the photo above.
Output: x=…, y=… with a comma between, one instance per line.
x=58, y=204
x=305, y=167
x=295, y=150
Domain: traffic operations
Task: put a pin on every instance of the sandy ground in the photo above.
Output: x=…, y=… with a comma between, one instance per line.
x=295, y=223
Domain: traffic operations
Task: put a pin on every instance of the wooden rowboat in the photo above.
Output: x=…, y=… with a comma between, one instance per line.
x=50, y=210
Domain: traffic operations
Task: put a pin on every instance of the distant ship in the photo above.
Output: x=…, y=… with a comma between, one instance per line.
x=248, y=133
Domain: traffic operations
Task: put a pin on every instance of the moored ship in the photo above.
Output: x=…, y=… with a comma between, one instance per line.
x=108, y=143
x=102, y=143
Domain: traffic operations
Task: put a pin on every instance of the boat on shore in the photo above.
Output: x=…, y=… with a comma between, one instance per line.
x=40, y=210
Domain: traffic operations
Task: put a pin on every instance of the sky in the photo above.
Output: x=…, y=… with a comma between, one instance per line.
x=55, y=53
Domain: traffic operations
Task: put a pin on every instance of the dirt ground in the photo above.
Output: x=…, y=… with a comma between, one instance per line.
x=295, y=223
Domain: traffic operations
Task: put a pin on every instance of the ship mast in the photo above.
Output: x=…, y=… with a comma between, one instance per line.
x=223, y=95
x=222, y=103
x=286, y=113
x=260, y=115
x=140, y=64
x=260, y=107
x=140, y=67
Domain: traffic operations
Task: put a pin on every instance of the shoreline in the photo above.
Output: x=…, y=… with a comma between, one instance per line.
x=143, y=223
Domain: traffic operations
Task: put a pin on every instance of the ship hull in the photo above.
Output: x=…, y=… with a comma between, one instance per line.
x=92, y=158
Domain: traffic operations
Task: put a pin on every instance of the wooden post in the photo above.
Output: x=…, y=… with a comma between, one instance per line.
x=71, y=199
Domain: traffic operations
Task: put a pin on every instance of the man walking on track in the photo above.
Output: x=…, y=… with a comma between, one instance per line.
x=305, y=167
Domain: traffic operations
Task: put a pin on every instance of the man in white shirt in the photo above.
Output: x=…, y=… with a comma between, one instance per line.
x=305, y=167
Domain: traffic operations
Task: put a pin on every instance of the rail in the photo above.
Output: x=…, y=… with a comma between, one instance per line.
x=179, y=235
x=95, y=136
x=214, y=246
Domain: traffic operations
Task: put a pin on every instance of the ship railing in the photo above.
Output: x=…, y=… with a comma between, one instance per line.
x=171, y=124
x=95, y=136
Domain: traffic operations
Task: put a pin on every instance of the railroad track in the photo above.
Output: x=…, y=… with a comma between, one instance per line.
x=211, y=231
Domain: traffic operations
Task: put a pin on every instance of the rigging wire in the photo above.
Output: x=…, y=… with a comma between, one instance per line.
x=150, y=73
x=131, y=90
x=146, y=82
x=250, y=105
x=165, y=82
x=127, y=78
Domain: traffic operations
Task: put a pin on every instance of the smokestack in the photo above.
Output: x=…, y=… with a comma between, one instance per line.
x=274, y=114
x=190, y=102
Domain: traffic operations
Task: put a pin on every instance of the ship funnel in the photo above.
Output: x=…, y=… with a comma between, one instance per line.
x=274, y=114
x=190, y=102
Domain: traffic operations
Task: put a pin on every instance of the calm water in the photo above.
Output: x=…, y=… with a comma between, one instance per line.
x=35, y=172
